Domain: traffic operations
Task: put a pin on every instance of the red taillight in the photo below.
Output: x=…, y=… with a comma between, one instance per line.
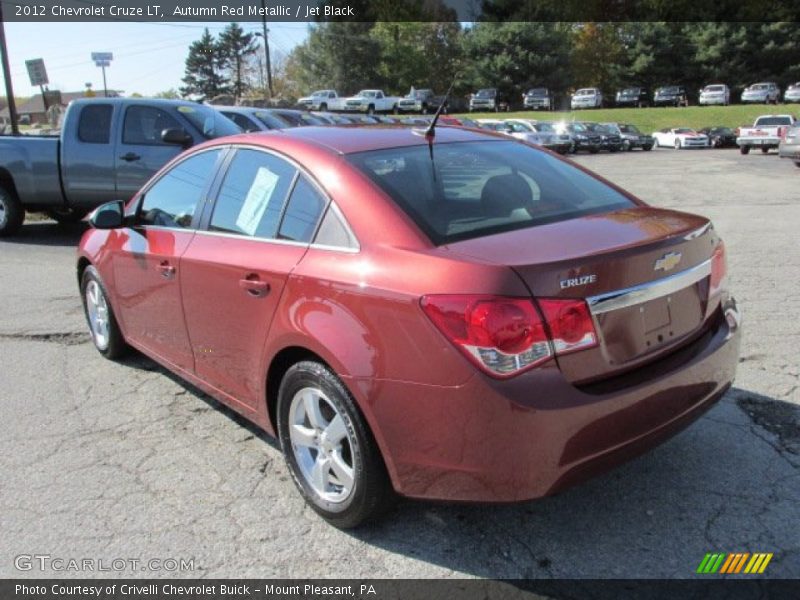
x=570, y=324
x=505, y=336
x=719, y=268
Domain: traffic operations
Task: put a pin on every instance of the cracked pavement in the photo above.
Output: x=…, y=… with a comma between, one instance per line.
x=123, y=460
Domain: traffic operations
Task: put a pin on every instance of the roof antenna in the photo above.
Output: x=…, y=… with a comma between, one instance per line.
x=430, y=132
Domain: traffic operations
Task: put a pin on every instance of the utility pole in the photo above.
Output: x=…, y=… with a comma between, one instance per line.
x=266, y=45
x=12, y=106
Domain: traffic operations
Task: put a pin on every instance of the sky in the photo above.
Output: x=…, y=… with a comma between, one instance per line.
x=148, y=57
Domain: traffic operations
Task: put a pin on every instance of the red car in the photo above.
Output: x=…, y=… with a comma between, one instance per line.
x=475, y=320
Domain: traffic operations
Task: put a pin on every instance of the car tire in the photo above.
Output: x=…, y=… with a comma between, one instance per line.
x=764, y=150
x=323, y=107
x=594, y=150
x=103, y=326
x=626, y=146
x=371, y=109
x=12, y=214
x=677, y=144
x=744, y=149
x=310, y=399
x=647, y=147
x=66, y=216
x=797, y=164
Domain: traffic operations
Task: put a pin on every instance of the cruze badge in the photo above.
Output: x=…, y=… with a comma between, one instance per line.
x=575, y=281
x=668, y=262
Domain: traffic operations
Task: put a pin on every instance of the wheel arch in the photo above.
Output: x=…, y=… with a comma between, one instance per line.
x=7, y=182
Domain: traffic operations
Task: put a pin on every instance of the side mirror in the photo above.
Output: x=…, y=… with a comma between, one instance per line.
x=176, y=136
x=108, y=216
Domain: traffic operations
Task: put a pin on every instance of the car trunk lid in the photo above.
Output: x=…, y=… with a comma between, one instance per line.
x=643, y=271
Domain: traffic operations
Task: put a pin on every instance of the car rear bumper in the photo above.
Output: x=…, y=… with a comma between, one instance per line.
x=712, y=100
x=533, y=435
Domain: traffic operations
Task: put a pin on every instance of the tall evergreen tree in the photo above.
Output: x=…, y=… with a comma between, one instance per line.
x=235, y=47
x=203, y=79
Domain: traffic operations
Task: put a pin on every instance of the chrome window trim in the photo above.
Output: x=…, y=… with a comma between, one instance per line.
x=249, y=238
x=627, y=297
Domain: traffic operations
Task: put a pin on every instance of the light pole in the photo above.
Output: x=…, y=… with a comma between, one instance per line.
x=266, y=45
x=12, y=106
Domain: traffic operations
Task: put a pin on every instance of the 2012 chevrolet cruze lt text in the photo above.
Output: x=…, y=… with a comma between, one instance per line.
x=470, y=318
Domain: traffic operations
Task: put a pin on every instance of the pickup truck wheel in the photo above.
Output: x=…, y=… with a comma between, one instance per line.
x=744, y=149
x=371, y=109
x=66, y=216
x=331, y=454
x=764, y=150
x=323, y=107
x=647, y=147
x=106, y=334
x=11, y=213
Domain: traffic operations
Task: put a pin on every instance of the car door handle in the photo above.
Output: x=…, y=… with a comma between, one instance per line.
x=167, y=270
x=254, y=286
x=130, y=157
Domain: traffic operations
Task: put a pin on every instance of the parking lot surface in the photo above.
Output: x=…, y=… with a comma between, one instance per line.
x=102, y=460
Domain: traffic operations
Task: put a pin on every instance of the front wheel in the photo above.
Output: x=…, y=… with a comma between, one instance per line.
x=106, y=334
x=647, y=147
x=677, y=144
x=626, y=146
x=764, y=150
x=331, y=454
x=11, y=213
x=744, y=149
x=371, y=109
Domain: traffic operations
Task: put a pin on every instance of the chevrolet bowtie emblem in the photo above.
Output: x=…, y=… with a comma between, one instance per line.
x=668, y=262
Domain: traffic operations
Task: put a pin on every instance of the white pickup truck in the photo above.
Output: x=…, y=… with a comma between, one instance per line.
x=767, y=132
x=324, y=100
x=370, y=102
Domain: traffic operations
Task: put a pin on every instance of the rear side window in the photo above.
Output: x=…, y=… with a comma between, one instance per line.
x=246, y=124
x=144, y=124
x=472, y=189
x=94, y=125
x=305, y=207
x=173, y=199
x=252, y=197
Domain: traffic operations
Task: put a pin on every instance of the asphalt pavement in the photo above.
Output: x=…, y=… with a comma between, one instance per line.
x=103, y=461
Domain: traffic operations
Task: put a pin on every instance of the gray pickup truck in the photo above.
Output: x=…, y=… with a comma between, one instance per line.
x=107, y=149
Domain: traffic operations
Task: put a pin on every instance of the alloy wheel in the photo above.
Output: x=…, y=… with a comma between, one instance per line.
x=322, y=445
x=97, y=311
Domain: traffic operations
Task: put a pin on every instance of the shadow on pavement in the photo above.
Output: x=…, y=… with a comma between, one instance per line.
x=48, y=233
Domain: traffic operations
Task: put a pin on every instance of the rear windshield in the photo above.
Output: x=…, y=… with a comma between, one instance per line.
x=761, y=121
x=537, y=92
x=473, y=189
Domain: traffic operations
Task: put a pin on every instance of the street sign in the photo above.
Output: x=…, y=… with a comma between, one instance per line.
x=37, y=72
x=102, y=56
x=102, y=63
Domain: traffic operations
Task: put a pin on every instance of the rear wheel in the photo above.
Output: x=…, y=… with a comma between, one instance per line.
x=66, y=216
x=331, y=454
x=744, y=149
x=11, y=213
x=106, y=334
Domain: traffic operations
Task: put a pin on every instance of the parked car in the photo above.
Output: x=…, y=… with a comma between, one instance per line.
x=631, y=136
x=721, y=137
x=323, y=100
x=330, y=118
x=108, y=147
x=581, y=137
x=671, y=95
x=480, y=322
x=421, y=101
x=253, y=119
x=633, y=97
x=371, y=101
x=609, y=140
x=790, y=145
x=761, y=93
x=488, y=99
x=792, y=93
x=586, y=98
x=537, y=98
x=716, y=93
x=548, y=137
x=766, y=133
x=458, y=121
x=680, y=137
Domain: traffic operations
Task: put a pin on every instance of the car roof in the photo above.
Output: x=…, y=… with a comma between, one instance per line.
x=350, y=139
x=165, y=102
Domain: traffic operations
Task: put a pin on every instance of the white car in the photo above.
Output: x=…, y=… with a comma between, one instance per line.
x=766, y=92
x=680, y=137
x=515, y=130
x=323, y=100
x=792, y=93
x=716, y=93
x=587, y=98
x=371, y=101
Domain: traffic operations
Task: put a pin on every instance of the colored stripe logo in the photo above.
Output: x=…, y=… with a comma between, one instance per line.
x=734, y=562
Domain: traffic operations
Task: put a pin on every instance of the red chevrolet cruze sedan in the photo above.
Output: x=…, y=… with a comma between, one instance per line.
x=470, y=318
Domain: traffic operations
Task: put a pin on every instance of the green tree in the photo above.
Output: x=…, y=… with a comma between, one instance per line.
x=203, y=78
x=170, y=94
x=515, y=56
x=597, y=55
x=235, y=48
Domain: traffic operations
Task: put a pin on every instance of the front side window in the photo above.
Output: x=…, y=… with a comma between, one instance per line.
x=472, y=189
x=173, y=200
x=251, y=199
x=144, y=124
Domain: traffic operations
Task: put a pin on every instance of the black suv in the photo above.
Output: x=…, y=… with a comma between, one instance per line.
x=633, y=96
x=671, y=95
